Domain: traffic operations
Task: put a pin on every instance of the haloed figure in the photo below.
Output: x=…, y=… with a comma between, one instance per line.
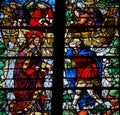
x=28, y=75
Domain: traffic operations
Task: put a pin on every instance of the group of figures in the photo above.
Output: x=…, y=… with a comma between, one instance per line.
x=91, y=71
x=91, y=57
x=24, y=67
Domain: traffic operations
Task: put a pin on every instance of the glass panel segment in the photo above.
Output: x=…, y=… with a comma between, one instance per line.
x=91, y=58
x=26, y=56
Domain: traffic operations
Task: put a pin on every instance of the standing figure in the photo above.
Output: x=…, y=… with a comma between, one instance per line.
x=29, y=74
x=82, y=70
x=69, y=14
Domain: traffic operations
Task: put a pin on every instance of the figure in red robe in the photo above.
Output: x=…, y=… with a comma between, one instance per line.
x=84, y=72
x=42, y=16
x=28, y=76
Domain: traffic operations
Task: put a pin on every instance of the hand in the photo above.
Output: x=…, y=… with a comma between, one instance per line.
x=15, y=23
x=49, y=66
x=45, y=23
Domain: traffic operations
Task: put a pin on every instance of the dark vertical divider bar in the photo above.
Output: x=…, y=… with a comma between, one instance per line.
x=59, y=23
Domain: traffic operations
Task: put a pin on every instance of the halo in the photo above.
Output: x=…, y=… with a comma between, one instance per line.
x=89, y=2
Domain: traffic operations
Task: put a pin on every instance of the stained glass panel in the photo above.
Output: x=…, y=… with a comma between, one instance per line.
x=26, y=57
x=91, y=58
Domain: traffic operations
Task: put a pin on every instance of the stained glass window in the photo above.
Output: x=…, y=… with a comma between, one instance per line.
x=59, y=57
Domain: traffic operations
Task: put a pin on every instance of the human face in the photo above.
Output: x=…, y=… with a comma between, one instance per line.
x=36, y=41
x=42, y=6
x=13, y=6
